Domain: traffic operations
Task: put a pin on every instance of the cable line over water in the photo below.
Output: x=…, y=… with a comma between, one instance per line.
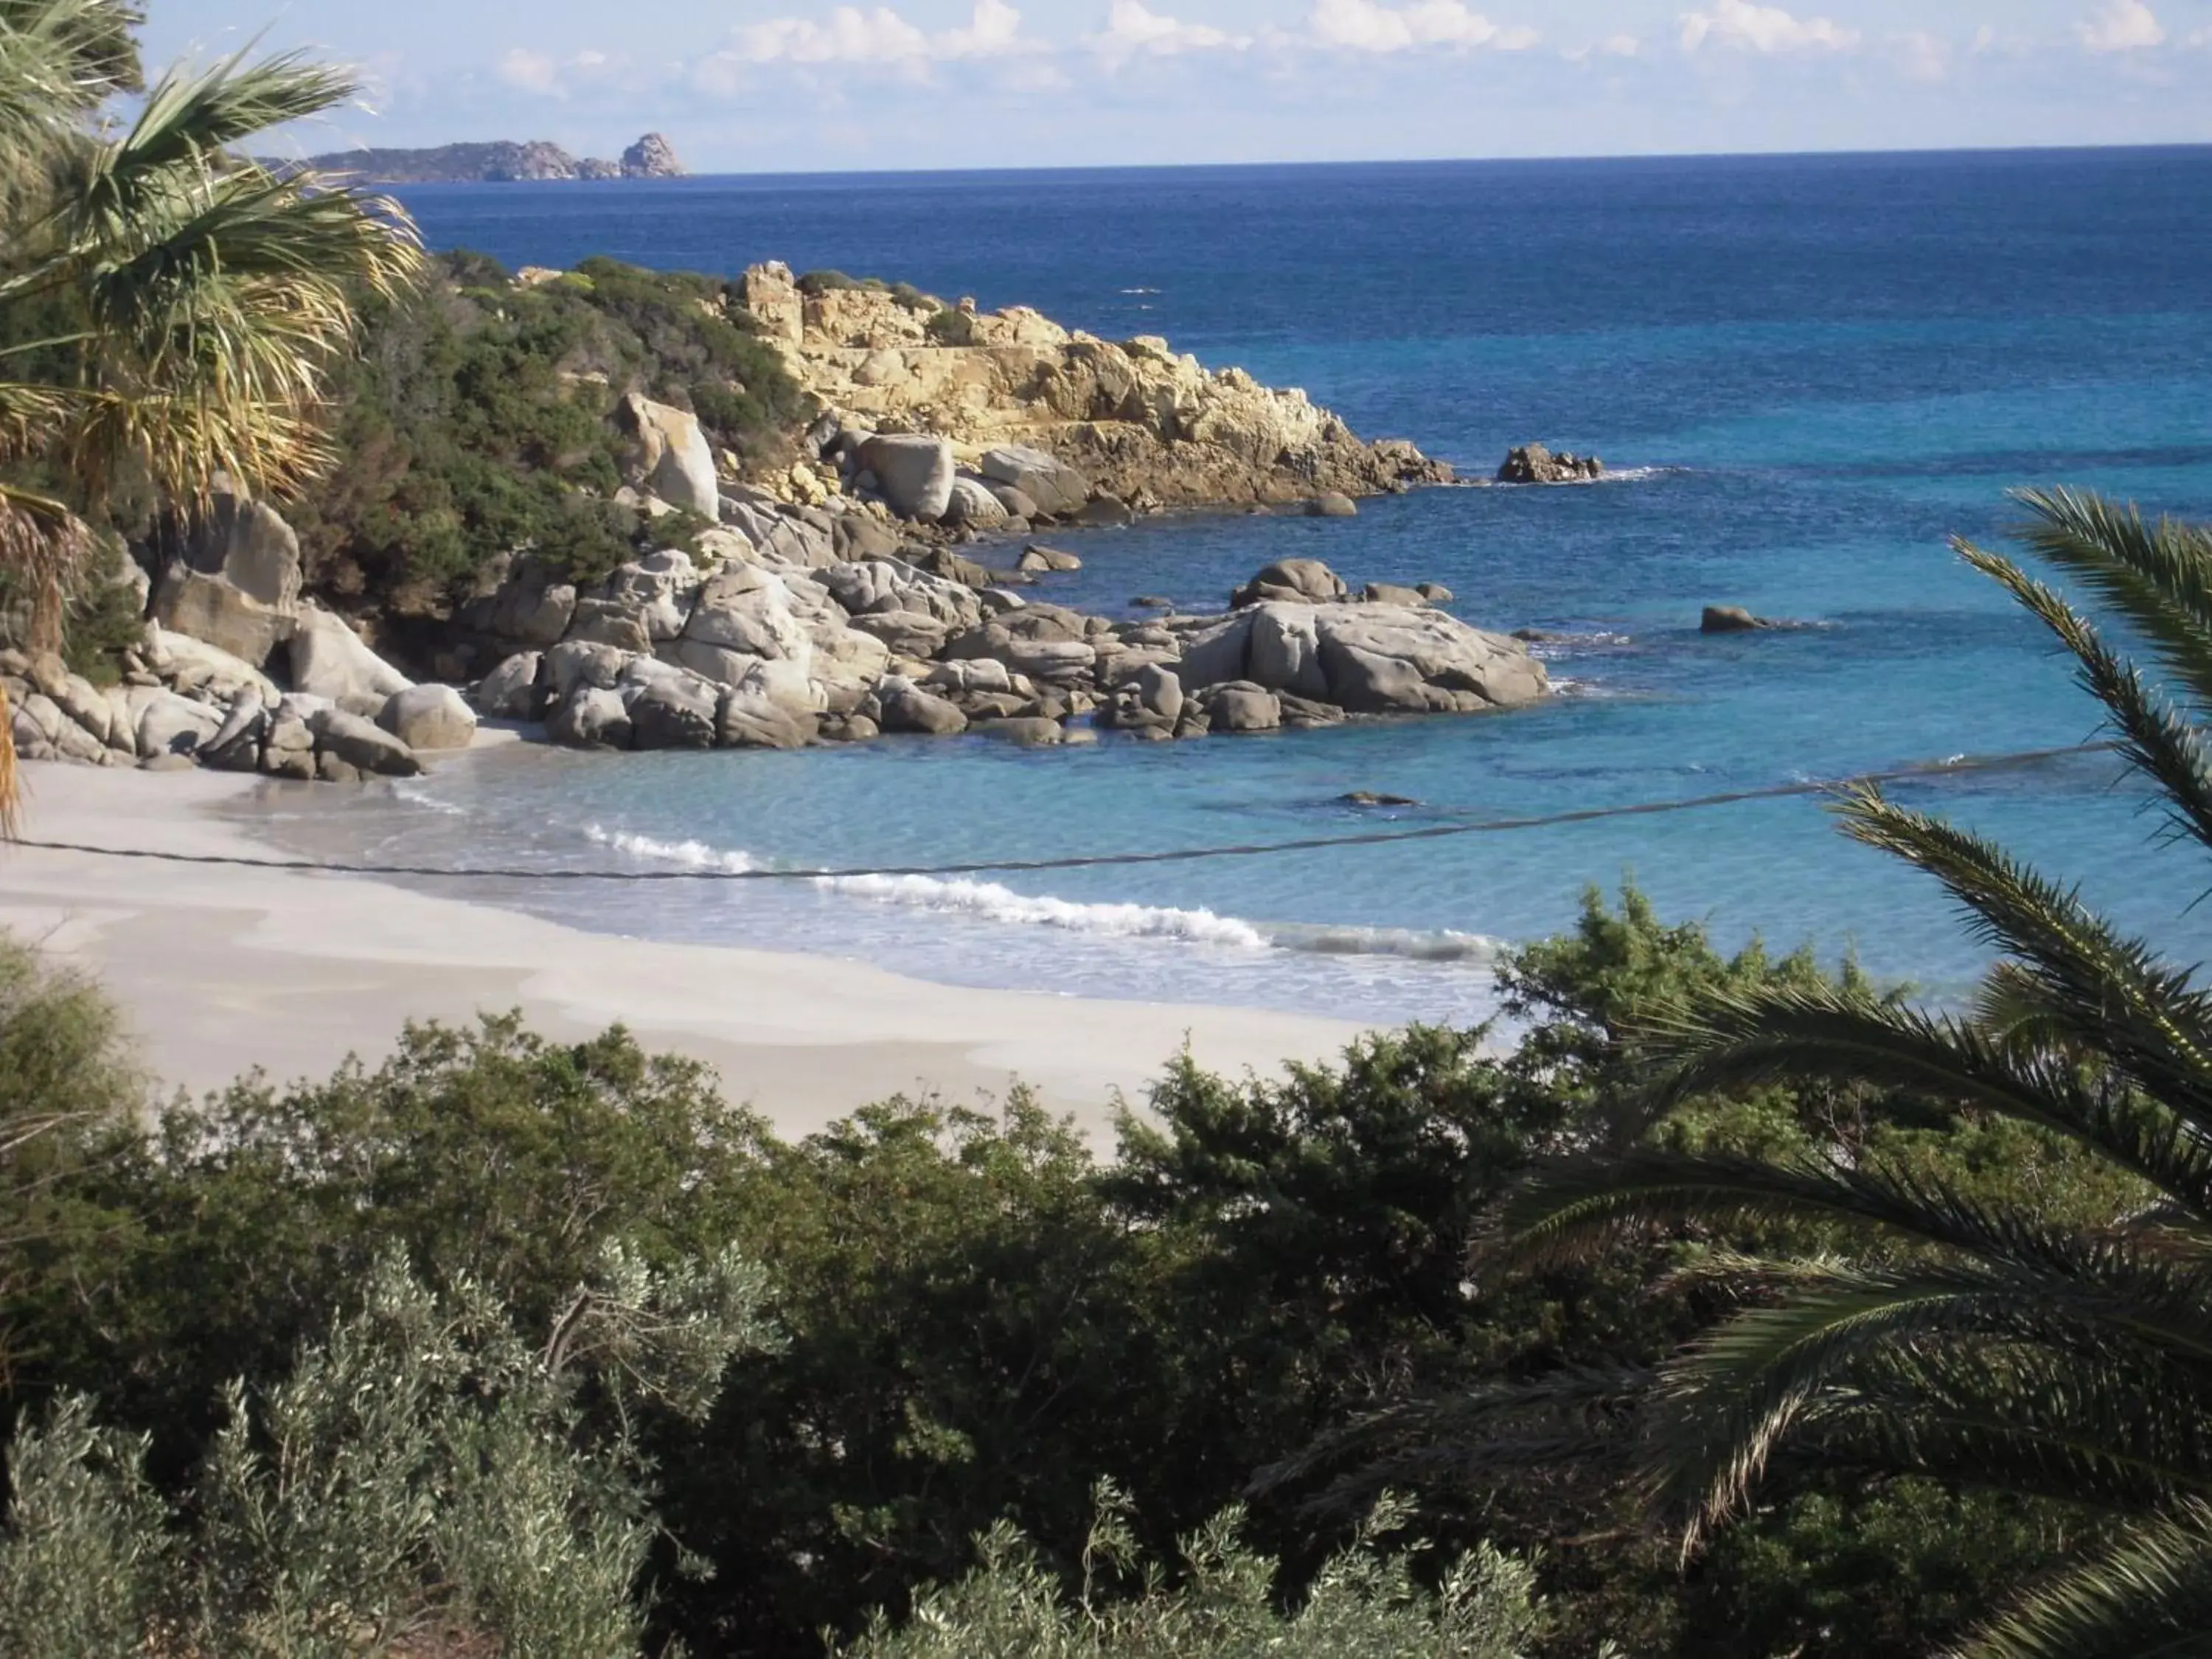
x=1919, y=771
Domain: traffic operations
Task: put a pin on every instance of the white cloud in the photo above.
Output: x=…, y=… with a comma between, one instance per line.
x=1369, y=25
x=1613, y=45
x=2121, y=26
x=1747, y=27
x=540, y=72
x=1922, y=57
x=1133, y=29
x=533, y=71
x=878, y=36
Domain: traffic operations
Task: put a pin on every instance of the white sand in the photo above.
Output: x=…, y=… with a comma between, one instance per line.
x=222, y=969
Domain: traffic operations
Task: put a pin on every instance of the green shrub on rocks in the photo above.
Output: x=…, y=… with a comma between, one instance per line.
x=476, y=421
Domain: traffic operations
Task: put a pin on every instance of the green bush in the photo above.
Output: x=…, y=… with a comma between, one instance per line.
x=416, y=1477
x=478, y=420
x=951, y=327
x=978, y=1316
x=1217, y=1603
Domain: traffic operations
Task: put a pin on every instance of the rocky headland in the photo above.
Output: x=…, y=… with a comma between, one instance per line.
x=1144, y=427
x=501, y=161
x=881, y=581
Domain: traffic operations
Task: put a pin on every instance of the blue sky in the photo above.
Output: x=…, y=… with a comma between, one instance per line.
x=774, y=85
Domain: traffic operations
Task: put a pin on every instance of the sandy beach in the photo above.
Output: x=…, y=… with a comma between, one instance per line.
x=222, y=968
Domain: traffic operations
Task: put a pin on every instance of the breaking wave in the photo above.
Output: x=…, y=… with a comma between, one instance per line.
x=991, y=900
x=988, y=900
x=696, y=853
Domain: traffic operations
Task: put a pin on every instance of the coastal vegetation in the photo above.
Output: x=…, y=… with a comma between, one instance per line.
x=942, y=1328
x=476, y=419
x=170, y=310
x=1736, y=1304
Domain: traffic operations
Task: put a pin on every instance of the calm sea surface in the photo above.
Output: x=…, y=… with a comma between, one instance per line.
x=1814, y=370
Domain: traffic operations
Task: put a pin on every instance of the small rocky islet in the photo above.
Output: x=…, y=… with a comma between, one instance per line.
x=874, y=583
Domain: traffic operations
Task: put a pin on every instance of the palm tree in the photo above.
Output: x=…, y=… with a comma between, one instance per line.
x=170, y=309
x=1981, y=1342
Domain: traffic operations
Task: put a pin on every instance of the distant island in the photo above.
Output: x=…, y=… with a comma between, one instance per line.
x=499, y=163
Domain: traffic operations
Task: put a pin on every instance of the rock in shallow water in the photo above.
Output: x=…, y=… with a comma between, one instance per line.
x=429, y=717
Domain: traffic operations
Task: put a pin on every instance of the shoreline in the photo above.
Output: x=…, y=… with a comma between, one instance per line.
x=221, y=969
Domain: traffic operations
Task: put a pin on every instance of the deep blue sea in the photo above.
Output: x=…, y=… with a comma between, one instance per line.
x=1814, y=371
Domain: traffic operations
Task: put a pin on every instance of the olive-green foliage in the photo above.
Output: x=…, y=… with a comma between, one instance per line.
x=488, y=1154
x=415, y=1479
x=477, y=421
x=1219, y=1603
x=979, y=1315
x=951, y=327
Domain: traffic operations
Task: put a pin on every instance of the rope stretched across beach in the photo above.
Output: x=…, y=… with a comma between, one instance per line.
x=1457, y=825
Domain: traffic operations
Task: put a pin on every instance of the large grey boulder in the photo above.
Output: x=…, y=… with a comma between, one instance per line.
x=1385, y=660
x=361, y=745
x=531, y=607
x=234, y=579
x=678, y=711
x=187, y=664
x=592, y=718
x=904, y=632
x=573, y=662
x=329, y=659
x=1054, y=661
x=752, y=610
x=907, y=707
x=429, y=717
x=913, y=473
x=1730, y=619
x=972, y=505
x=287, y=747
x=1241, y=706
x=672, y=459
x=861, y=536
x=78, y=698
x=749, y=718
x=171, y=724
x=1368, y=659
x=609, y=621
x=886, y=585
x=236, y=744
x=513, y=691
x=658, y=589
x=779, y=535
x=1299, y=580
x=1054, y=487
x=1283, y=651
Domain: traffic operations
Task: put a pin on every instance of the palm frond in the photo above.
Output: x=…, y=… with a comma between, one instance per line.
x=2104, y=991
x=184, y=134
x=2150, y=1595
x=1728, y=1400
x=2155, y=739
x=2157, y=576
x=1805, y=1033
x=1579, y=1421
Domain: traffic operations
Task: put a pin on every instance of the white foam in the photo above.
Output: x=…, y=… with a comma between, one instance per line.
x=696, y=853
x=415, y=795
x=989, y=902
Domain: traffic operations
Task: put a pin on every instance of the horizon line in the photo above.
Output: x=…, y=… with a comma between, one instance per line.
x=1857, y=153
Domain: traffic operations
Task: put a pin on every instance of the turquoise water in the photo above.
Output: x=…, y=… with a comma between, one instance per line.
x=1814, y=369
